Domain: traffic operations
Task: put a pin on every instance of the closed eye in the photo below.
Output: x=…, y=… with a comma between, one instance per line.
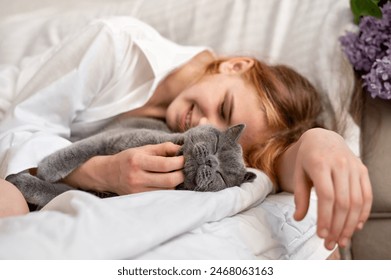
x=222, y=114
x=217, y=145
x=227, y=107
x=222, y=178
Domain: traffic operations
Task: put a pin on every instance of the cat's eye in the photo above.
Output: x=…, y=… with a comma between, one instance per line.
x=216, y=144
x=222, y=178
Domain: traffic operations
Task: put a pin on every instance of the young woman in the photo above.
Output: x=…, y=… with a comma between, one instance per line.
x=120, y=67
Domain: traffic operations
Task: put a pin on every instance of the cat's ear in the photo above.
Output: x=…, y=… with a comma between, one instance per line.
x=235, y=131
x=249, y=177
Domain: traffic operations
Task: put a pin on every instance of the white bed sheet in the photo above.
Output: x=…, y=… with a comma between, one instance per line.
x=238, y=223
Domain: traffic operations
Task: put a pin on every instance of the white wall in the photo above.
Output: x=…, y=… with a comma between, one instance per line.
x=10, y=7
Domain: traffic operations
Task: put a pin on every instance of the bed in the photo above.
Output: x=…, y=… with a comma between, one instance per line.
x=243, y=222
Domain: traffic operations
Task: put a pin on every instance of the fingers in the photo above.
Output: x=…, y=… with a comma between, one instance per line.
x=341, y=183
x=325, y=193
x=142, y=181
x=366, y=195
x=342, y=205
x=149, y=168
x=301, y=195
x=350, y=206
x=162, y=167
x=353, y=217
x=166, y=180
x=166, y=149
x=162, y=158
x=157, y=181
x=162, y=164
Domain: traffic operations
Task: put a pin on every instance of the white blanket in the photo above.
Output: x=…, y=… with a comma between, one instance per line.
x=230, y=224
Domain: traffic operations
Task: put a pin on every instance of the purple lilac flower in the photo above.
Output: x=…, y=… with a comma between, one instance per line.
x=369, y=51
x=370, y=43
x=353, y=49
x=378, y=80
x=388, y=44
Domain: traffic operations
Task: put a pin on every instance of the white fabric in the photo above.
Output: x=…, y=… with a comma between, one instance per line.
x=230, y=224
x=110, y=67
x=301, y=33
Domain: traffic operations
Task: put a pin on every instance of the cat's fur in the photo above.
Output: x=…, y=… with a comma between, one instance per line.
x=213, y=159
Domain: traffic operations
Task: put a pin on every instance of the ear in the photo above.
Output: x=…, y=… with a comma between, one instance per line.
x=236, y=65
x=235, y=131
x=249, y=177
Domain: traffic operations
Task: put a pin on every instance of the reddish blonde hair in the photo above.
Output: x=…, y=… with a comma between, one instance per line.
x=292, y=105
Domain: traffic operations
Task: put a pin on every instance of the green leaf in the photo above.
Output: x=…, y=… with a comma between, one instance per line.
x=365, y=8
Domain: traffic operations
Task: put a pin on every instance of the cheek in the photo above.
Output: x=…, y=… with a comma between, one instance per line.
x=253, y=136
x=171, y=115
x=180, y=103
x=199, y=90
x=245, y=142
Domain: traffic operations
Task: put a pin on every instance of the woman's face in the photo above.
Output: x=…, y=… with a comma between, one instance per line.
x=221, y=100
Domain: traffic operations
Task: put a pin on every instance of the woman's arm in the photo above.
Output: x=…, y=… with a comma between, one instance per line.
x=321, y=159
x=151, y=167
x=49, y=93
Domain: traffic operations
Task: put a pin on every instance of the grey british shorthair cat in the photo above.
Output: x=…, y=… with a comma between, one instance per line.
x=213, y=159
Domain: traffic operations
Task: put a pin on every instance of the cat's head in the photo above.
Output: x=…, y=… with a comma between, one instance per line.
x=214, y=159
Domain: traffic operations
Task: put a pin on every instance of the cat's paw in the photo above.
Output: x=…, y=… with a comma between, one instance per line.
x=50, y=170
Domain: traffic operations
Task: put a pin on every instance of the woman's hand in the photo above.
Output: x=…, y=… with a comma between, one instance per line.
x=323, y=160
x=146, y=168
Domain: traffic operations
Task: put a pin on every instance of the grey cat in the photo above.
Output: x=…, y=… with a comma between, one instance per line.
x=213, y=159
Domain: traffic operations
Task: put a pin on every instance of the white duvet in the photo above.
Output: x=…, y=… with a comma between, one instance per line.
x=236, y=223
x=245, y=222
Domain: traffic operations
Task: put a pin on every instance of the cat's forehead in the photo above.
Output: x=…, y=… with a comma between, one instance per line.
x=205, y=130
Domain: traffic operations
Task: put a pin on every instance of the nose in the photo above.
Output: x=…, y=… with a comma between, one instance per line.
x=212, y=121
x=203, y=121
